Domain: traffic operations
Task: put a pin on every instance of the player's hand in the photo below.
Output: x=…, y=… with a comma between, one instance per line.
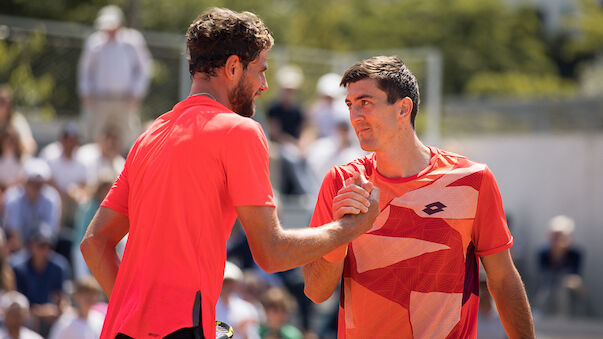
x=358, y=204
x=364, y=221
x=353, y=198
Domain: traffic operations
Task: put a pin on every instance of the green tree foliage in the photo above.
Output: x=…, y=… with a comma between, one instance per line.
x=31, y=91
x=479, y=39
x=587, y=29
x=519, y=84
x=474, y=35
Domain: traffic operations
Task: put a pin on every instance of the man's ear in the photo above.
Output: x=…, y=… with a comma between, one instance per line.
x=233, y=67
x=405, y=105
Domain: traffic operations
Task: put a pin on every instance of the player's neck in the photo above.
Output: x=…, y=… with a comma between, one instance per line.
x=211, y=88
x=403, y=159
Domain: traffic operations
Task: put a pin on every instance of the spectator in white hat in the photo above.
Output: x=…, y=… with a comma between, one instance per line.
x=30, y=204
x=285, y=117
x=286, y=122
x=560, y=289
x=114, y=74
x=330, y=107
x=15, y=308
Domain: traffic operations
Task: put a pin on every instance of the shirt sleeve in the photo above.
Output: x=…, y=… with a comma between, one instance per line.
x=245, y=159
x=490, y=231
x=323, y=211
x=117, y=198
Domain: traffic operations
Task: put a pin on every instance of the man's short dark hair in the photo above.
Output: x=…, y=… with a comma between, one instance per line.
x=219, y=33
x=393, y=77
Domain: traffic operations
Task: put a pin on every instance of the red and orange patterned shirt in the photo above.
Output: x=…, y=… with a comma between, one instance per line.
x=415, y=273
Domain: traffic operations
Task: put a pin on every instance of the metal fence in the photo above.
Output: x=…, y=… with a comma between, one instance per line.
x=60, y=44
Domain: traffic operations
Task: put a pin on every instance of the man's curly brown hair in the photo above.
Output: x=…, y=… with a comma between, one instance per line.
x=219, y=33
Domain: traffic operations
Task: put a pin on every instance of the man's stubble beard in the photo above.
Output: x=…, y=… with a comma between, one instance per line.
x=241, y=99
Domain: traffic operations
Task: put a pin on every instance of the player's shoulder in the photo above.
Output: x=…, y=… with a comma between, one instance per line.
x=235, y=124
x=446, y=154
x=197, y=109
x=457, y=161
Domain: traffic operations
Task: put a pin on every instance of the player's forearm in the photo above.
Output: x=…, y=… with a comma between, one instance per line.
x=321, y=278
x=102, y=260
x=513, y=307
x=297, y=247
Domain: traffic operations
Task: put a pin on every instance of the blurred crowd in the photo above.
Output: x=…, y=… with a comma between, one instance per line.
x=49, y=195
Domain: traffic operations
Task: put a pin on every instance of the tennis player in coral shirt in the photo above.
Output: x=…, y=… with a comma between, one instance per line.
x=186, y=179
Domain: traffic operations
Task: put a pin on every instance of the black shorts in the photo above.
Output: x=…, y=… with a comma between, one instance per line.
x=183, y=333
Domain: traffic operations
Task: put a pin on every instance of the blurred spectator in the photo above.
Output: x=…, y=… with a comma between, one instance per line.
x=285, y=123
x=285, y=118
x=83, y=217
x=28, y=205
x=278, y=306
x=252, y=289
x=7, y=275
x=114, y=73
x=67, y=171
x=11, y=158
x=237, y=247
x=330, y=108
x=232, y=309
x=83, y=321
x=16, y=312
x=102, y=155
x=16, y=121
x=40, y=277
x=337, y=149
x=293, y=280
x=69, y=176
x=560, y=289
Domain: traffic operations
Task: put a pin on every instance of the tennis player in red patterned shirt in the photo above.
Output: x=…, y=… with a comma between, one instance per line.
x=415, y=273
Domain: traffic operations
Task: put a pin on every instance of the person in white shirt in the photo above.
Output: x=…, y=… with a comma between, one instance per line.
x=83, y=321
x=102, y=156
x=69, y=176
x=330, y=107
x=15, y=307
x=67, y=170
x=337, y=149
x=114, y=73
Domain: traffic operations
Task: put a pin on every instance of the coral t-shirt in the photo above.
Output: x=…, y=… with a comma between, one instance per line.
x=415, y=274
x=179, y=188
